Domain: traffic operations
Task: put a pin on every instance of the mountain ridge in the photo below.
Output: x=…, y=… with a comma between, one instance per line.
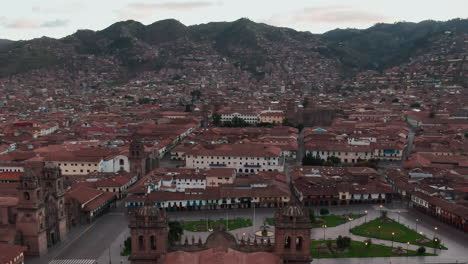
x=137, y=47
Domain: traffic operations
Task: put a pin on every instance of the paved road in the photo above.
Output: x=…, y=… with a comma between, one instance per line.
x=87, y=242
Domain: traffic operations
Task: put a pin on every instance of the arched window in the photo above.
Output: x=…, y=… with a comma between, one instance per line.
x=287, y=242
x=298, y=243
x=26, y=196
x=141, y=243
x=153, y=243
x=121, y=162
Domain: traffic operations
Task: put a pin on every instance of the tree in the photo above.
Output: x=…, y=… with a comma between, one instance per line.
x=324, y=211
x=127, y=247
x=421, y=250
x=175, y=232
x=188, y=108
x=216, y=119
x=343, y=242
x=415, y=105
x=306, y=102
x=300, y=127
x=286, y=122
x=334, y=160
x=395, y=100
x=144, y=101
x=196, y=93
x=310, y=160
x=238, y=122
x=312, y=215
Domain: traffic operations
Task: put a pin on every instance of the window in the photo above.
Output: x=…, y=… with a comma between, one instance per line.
x=141, y=243
x=153, y=243
x=287, y=242
x=298, y=243
x=121, y=162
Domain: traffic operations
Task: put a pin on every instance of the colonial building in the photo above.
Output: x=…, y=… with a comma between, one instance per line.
x=245, y=158
x=149, y=229
x=41, y=219
x=141, y=160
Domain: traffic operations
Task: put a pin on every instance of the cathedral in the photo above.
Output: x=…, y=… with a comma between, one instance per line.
x=36, y=217
x=142, y=160
x=149, y=230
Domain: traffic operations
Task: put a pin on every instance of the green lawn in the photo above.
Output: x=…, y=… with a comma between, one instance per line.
x=201, y=225
x=359, y=250
x=329, y=220
x=334, y=220
x=402, y=233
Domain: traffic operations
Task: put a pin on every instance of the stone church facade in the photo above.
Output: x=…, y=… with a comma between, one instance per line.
x=40, y=212
x=149, y=229
x=142, y=160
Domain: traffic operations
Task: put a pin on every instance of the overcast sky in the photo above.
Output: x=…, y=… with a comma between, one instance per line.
x=26, y=19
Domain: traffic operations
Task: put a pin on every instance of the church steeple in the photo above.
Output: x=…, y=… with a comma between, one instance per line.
x=148, y=229
x=292, y=233
x=137, y=157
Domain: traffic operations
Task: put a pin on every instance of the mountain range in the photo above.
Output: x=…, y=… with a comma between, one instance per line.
x=134, y=47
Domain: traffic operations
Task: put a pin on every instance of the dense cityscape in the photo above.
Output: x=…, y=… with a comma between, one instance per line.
x=235, y=142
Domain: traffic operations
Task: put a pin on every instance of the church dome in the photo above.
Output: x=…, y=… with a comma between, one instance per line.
x=148, y=210
x=221, y=239
x=293, y=210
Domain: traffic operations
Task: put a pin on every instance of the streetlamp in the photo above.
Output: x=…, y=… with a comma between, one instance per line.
x=435, y=246
x=398, y=216
x=379, y=231
x=365, y=216
x=324, y=228
x=407, y=246
x=350, y=219
x=393, y=236
x=417, y=220
x=435, y=230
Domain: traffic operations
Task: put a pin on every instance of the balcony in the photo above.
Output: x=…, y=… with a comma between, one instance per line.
x=252, y=166
x=214, y=165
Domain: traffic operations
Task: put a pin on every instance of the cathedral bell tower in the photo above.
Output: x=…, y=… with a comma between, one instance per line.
x=137, y=157
x=148, y=230
x=54, y=203
x=30, y=218
x=292, y=234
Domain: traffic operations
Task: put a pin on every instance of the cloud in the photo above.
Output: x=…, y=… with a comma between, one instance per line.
x=60, y=8
x=21, y=24
x=55, y=23
x=24, y=23
x=142, y=10
x=332, y=15
x=170, y=5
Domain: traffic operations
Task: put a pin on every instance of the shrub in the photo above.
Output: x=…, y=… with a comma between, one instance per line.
x=324, y=211
x=421, y=250
x=343, y=242
x=329, y=244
